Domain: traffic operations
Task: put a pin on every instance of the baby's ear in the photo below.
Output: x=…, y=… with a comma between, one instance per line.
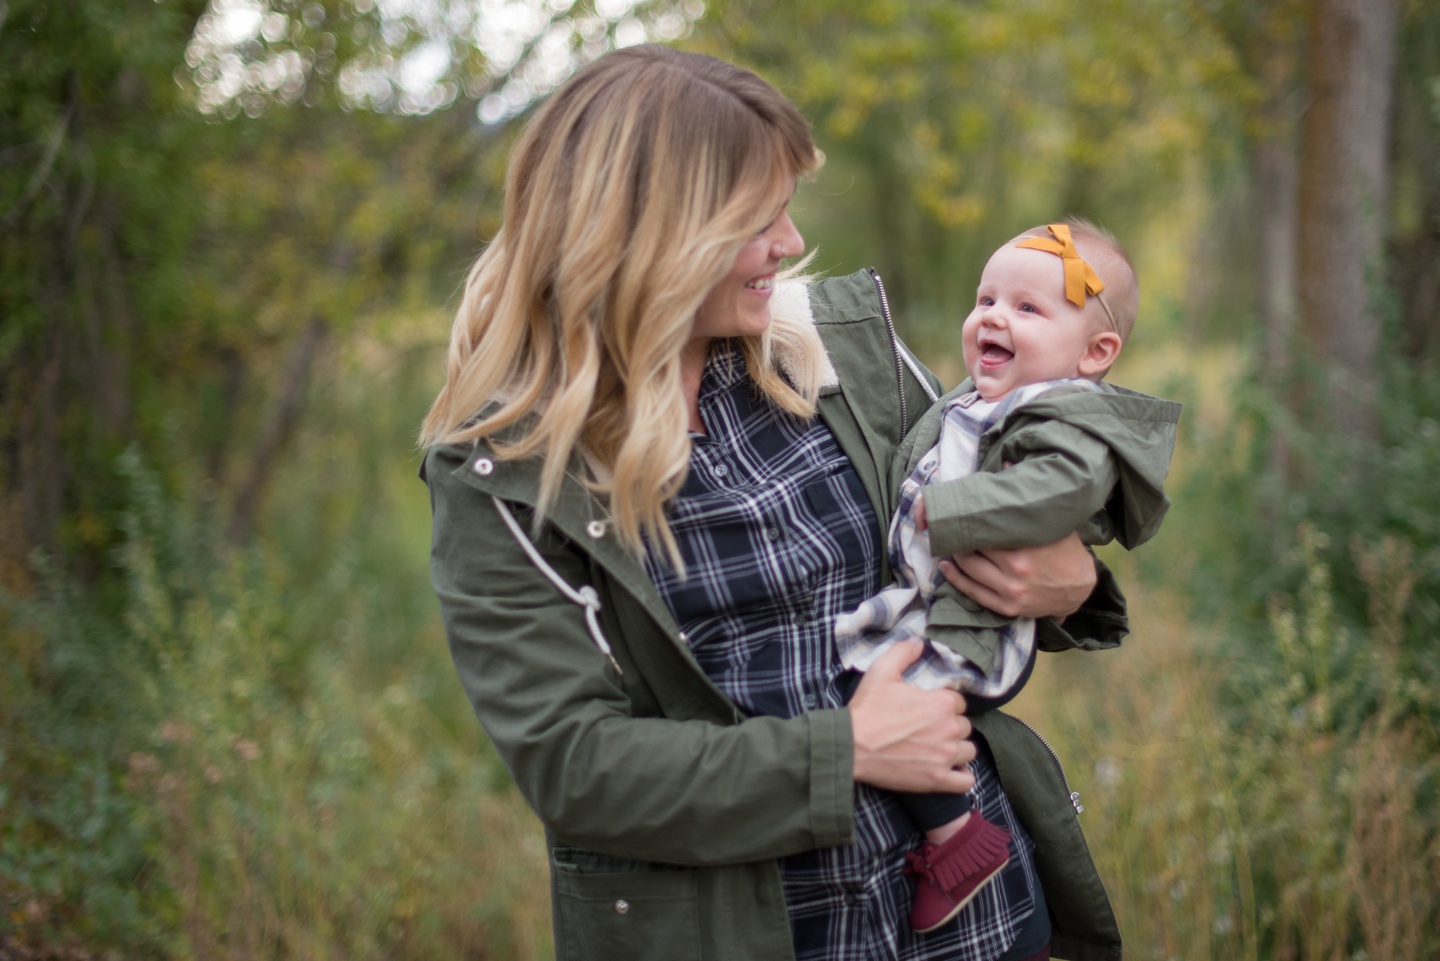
x=1100, y=353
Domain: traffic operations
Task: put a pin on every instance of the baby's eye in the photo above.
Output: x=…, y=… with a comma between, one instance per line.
x=1028, y=307
x=985, y=301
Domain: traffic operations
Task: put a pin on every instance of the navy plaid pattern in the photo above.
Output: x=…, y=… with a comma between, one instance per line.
x=778, y=539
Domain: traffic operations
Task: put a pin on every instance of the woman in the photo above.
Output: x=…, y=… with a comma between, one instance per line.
x=643, y=531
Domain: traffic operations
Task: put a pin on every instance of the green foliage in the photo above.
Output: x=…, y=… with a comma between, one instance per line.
x=949, y=127
x=264, y=752
x=77, y=847
x=1367, y=515
x=1269, y=836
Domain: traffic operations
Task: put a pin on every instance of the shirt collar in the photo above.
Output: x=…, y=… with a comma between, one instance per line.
x=724, y=368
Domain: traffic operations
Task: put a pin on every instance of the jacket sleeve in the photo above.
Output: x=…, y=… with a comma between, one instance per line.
x=1059, y=475
x=565, y=723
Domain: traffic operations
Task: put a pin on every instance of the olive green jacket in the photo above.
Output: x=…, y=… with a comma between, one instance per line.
x=665, y=809
x=1080, y=459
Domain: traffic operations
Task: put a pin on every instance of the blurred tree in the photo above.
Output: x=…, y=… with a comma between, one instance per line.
x=198, y=196
x=1344, y=193
x=1415, y=181
x=950, y=126
x=94, y=219
x=1267, y=39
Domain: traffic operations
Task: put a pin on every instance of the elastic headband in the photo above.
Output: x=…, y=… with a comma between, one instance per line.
x=1080, y=277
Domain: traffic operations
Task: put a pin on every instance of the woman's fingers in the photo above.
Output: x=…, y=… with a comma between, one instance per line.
x=1052, y=580
x=981, y=580
x=908, y=739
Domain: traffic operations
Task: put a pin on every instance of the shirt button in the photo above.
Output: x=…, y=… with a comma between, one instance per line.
x=799, y=618
x=851, y=900
x=720, y=470
x=773, y=533
x=484, y=467
x=622, y=906
x=810, y=701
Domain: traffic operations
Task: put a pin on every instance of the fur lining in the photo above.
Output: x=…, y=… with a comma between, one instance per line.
x=790, y=305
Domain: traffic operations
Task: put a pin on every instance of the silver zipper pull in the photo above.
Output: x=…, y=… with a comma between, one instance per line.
x=1075, y=802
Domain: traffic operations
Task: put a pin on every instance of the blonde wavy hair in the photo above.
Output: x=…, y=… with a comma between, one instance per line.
x=628, y=197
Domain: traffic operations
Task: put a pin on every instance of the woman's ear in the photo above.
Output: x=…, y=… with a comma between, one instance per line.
x=1099, y=354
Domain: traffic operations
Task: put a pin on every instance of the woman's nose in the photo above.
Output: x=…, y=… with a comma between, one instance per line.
x=787, y=242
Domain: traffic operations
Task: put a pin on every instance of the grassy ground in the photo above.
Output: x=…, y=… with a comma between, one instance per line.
x=1277, y=840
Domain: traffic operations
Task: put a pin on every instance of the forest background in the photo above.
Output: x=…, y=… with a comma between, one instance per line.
x=231, y=234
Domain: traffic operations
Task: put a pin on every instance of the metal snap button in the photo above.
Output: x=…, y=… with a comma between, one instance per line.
x=622, y=906
x=484, y=467
x=595, y=529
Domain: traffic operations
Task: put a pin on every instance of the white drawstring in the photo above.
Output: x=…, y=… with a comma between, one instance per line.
x=587, y=597
x=916, y=370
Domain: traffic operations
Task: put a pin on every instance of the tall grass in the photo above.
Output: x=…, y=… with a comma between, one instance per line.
x=1279, y=836
x=264, y=753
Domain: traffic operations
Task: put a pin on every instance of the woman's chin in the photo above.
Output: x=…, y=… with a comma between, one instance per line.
x=750, y=325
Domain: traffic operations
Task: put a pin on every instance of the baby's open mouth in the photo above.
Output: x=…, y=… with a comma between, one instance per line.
x=995, y=354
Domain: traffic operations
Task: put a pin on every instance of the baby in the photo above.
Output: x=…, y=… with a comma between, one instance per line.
x=1030, y=448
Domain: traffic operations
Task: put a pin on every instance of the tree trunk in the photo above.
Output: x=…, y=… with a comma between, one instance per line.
x=1343, y=191
x=1277, y=188
x=283, y=419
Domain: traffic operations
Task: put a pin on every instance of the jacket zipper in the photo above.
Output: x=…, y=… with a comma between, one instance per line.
x=894, y=346
x=1055, y=758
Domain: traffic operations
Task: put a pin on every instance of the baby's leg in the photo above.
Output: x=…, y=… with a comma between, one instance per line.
x=960, y=857
x=962, y=852
x=938, y=815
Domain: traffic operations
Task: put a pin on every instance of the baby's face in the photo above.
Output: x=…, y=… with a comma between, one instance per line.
x=1022, y=329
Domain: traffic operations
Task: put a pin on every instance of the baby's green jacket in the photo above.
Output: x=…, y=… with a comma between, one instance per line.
x=1077, y=459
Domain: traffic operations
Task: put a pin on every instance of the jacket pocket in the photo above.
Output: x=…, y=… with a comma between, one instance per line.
x=616, y=908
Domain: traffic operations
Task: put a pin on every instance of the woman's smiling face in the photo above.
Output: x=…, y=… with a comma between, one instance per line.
x=1023, y=330
x=739, y=306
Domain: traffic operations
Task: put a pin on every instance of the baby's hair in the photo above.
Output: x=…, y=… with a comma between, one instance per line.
x=1107, y=256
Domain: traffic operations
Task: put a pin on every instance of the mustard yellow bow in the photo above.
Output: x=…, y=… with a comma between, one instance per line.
x=1080, y=277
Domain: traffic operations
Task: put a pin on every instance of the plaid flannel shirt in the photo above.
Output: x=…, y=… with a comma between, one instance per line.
x=778, y=539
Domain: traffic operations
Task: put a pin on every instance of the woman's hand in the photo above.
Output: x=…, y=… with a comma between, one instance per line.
x=1049, y=581
x=907, y=739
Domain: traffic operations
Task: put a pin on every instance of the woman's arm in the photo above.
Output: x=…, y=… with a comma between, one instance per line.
x=563, y=721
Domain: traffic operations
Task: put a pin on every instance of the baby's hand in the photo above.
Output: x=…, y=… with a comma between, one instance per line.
x=918, y=513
